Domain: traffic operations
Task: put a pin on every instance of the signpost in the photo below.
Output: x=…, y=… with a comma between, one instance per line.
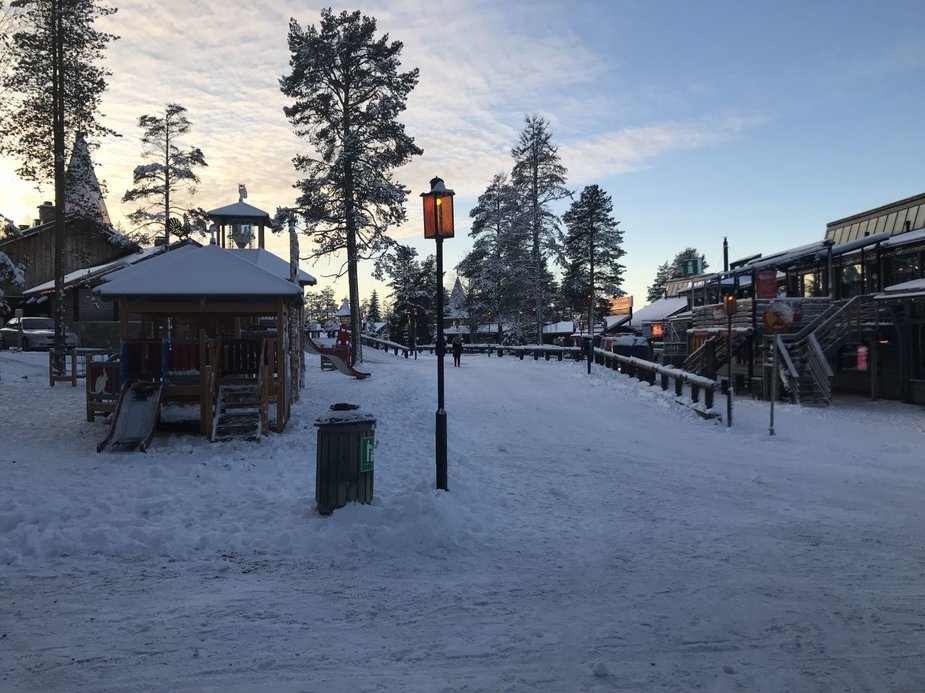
x=778, y=317
x=766, y=283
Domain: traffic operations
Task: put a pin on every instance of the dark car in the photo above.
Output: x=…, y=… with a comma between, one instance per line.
x=33, y=333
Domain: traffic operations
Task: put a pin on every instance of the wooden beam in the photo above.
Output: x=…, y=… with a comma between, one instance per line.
x=199, y=308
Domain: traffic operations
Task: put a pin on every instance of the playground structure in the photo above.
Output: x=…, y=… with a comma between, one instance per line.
x=221, y=345
x=337, y=357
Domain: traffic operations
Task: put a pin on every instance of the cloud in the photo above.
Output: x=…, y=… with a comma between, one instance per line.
x=634, y=149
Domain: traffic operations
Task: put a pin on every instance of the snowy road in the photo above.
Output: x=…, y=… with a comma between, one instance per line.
x=596, y=536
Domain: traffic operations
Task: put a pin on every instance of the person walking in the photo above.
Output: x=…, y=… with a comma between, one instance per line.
x=457, y=349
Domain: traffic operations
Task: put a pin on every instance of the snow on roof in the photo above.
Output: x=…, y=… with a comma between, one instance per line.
x=206, y=271
x=344, y=309
x=658, y=310
x=240, y=210
x=273, y=264
x=612, y=321
x=562, y=327
x=903, y=238
x=911, y=289
x=96, y=271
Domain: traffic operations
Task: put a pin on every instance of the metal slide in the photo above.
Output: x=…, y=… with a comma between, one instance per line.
x=312, y=348
x=135, y=418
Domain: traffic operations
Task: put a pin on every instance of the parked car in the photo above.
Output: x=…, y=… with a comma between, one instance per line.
x=33, y=333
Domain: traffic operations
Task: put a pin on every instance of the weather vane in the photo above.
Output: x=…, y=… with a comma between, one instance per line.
x=242, y=192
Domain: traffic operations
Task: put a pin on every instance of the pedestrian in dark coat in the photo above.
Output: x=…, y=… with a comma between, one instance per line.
x=457, y=349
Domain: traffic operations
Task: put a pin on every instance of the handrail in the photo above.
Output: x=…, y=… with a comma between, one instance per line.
x=816, y=351
x=785, y=356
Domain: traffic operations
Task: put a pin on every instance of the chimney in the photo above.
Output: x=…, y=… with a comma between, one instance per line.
x=159, y=241
x=46, y=212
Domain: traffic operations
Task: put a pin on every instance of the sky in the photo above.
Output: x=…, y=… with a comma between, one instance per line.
x=616, y=543
x=756, y=122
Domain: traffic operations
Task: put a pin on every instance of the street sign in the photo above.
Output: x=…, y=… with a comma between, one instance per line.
x=690, y=267
x=778, y=316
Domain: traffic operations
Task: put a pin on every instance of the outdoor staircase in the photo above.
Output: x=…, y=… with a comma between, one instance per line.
x=699, y=361
x=237, y=412
x=805, y=356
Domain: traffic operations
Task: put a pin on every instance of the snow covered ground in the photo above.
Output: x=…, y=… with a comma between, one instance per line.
x=597, y=536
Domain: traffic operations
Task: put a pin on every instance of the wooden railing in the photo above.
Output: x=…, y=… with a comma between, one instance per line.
x=650, y=371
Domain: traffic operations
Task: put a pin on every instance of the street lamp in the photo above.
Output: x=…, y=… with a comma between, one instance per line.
x=438, y=224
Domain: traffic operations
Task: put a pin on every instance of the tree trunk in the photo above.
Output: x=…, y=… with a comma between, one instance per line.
x=58, y=134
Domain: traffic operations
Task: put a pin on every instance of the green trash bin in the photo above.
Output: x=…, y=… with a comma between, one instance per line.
x=344, y=459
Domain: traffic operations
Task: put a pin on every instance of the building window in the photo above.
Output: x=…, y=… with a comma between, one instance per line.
x=901, y=268
x=850, y=281
x=810, y=284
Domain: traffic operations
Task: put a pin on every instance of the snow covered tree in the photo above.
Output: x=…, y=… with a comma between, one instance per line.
x=374, y=312
x=414, y=287
x=539, y=177
x=673, y=269
x=155, y=185
x=498, y=268
x=321, y=306
x=52, y=89
x=347, y=95
x=593, y=248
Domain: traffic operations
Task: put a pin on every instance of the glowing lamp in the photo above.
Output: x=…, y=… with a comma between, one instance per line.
x=438, y=210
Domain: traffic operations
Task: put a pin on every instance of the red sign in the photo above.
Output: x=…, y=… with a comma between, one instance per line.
x=766, y=283
x=862, y=358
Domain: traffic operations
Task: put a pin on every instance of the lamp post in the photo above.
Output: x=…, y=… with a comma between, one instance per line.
x=729, y=308
x=438, y=224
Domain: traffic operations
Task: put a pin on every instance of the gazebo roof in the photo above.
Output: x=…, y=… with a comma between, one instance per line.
x=198, y=271
x=273, y=264
x=239, y=211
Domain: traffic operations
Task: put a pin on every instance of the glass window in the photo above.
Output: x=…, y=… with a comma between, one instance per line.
x=919, y=217
x=902, y=268
x=809, y=284
x=850, y=281
x=890, y=222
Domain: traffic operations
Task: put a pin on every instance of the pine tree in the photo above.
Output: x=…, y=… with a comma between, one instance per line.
x=539, y=179
x=593, y=247
x=155, y=185
x=52, y=89
x=414, y=287
x=673, y=269
x=348, y=94
x=497, y=268
x=374, y=313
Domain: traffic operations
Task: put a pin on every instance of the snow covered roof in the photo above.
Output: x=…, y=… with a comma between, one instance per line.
x=658, y=310
x=239, y=210
x=344, y=310
x=89, y=273
x=562, y=327
x=201, y=271
x=273, y=264
x=911, y=289
x=612, y=321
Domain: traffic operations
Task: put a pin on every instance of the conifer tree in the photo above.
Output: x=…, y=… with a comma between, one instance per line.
x=374, y=312
x=155, y=185
x=347, y=94
x=593, y=248
x=673, y=269
x=539, y=178
x=52, y=89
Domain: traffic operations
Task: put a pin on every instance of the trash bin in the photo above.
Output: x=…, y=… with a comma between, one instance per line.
x=344, y=460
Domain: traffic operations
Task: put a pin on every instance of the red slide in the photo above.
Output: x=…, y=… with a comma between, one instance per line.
x=337, y=361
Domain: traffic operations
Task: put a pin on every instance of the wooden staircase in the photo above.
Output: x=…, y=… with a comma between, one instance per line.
x=237, y=410
x=805, y=356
